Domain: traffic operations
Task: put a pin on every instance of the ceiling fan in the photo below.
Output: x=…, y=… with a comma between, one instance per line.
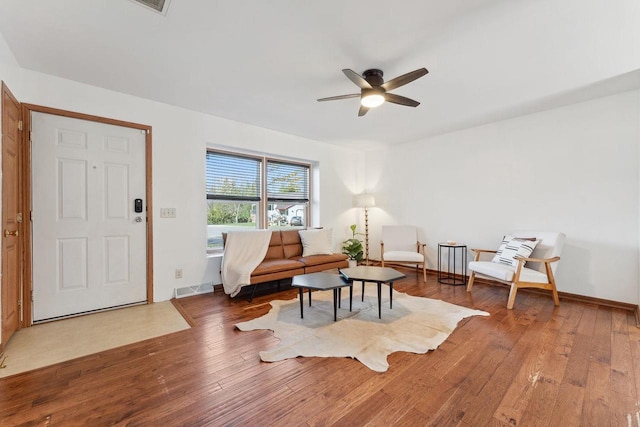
x=374, y=90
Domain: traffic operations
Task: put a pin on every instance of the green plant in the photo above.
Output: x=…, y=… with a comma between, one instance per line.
x=353, y=246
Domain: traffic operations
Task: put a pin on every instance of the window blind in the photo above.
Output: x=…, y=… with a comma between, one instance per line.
x=232, y=177
x=287, y=182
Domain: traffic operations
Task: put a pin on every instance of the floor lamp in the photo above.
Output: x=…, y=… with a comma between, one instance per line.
x=365, y=201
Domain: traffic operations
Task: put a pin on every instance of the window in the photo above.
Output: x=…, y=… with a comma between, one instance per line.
x=233, y=195
x=246, y=192
x=287, y=194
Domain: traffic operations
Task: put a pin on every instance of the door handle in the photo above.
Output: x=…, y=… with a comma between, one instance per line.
x=8, y=233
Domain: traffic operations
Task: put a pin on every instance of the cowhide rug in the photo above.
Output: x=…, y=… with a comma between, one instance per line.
x=414, y=324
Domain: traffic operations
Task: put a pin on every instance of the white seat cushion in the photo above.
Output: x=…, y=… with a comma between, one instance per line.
x=404, y=256
x=506, y=272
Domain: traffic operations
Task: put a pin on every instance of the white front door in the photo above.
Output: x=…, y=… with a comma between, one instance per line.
x=89, y=244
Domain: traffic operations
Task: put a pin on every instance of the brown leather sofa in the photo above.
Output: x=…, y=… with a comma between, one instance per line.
x=284, y=259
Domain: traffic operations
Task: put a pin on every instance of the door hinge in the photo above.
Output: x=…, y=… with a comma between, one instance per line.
x=31, y=296
x=20, y=302
x=20, y=125
x=19, y=218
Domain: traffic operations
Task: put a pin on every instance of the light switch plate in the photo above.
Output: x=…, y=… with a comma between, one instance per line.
x=167, y=212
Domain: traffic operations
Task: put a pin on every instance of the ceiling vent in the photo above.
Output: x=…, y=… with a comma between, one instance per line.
x=160, y=6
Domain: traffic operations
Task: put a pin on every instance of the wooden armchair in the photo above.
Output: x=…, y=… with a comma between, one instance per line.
x=539, y=270
x=400, y=245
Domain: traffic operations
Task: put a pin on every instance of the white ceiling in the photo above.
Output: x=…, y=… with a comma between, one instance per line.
x=266, y=62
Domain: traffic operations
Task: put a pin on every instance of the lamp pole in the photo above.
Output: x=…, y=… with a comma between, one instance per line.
x=366, y=235
x=365, y=201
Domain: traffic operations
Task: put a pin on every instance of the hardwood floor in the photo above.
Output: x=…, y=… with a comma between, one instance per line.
x=536, y=365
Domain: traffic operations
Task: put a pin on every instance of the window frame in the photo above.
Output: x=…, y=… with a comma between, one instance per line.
x=268, y=201
x=263, y=202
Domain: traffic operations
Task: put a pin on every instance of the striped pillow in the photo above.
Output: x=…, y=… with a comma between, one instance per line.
x=513, y=247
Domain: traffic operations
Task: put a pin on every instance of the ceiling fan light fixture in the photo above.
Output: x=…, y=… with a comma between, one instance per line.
x=372, y=100
x=374, y=91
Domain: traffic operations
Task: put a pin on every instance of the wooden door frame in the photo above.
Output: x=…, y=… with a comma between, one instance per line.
x=20, y=238
x=27, y=109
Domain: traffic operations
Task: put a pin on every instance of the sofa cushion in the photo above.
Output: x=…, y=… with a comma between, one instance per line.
x=316, y=242
x=275, y=265
x=291, y=243
x=512, y=247
x=321, y=259
x=275, y=247
x=506, y=272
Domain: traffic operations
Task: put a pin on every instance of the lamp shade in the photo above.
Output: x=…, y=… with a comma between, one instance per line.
x=364, y=200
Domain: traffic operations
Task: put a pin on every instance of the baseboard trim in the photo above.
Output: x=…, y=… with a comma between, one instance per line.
x=598, y=301
x=569, y=296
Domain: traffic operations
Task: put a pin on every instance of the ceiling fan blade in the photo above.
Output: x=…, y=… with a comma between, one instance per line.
x=357, y=79
x=334, y=98
x=401, y=100
x=404, y=79
x=363, y=110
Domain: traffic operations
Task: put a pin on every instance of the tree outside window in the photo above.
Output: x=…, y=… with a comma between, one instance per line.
x=234, y=194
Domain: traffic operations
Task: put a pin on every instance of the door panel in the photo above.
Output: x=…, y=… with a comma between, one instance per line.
x=89, y=251
x=11, y=221
x=116, y=183
x=72, y=189
x=72, y=264
x=116, y=260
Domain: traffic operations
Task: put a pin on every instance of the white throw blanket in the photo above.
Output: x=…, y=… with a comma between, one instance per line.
x=243, y=252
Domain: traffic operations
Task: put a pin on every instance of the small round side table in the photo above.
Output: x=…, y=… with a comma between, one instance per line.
x=449, y=276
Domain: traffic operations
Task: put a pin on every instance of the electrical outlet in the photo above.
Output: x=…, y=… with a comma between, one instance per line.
x=167, y=212
x=178, y=273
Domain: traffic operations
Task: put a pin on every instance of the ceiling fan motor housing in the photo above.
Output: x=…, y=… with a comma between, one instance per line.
x=373, y=77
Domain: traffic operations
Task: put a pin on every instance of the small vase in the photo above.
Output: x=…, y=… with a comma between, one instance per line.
x=353, y=263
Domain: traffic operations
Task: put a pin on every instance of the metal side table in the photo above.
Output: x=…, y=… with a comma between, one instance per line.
x=449, y=276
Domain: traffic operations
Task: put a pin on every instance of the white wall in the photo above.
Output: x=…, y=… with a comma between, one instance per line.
x=180, y=138
x=572, y=169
